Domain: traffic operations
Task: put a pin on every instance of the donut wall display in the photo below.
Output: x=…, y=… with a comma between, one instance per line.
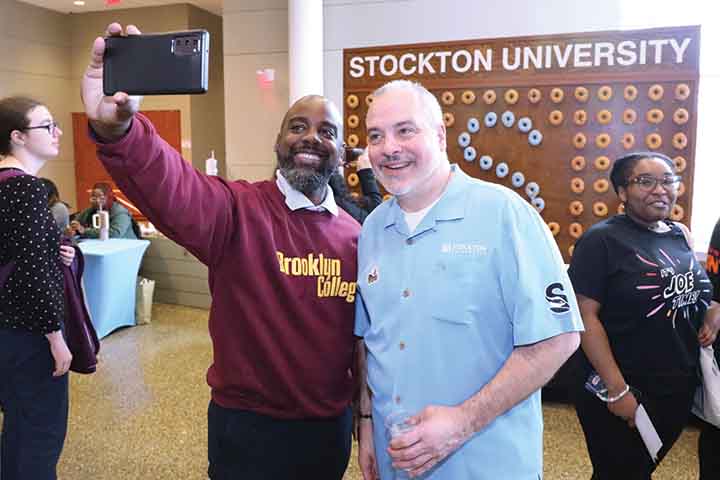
x=550, y=131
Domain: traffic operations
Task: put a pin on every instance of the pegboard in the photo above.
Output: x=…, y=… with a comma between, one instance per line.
x=551, y=137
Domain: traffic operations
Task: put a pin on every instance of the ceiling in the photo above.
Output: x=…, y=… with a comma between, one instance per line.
x=67, y=6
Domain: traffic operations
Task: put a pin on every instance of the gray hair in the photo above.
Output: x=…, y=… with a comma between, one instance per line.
x=428, y=101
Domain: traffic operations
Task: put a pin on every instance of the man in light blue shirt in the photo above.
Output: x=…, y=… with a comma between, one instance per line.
x=465, y=308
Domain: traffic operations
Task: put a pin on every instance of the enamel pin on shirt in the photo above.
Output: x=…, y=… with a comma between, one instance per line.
x=373, y=276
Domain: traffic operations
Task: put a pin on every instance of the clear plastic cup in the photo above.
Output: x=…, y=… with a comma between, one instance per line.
x=396, y=423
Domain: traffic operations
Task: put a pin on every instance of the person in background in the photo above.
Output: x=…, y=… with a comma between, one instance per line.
x=361, y=207
x=709, y=441
x=58, y=208
x=34, y=358
x=281, y=260
x=647, y=309
x=465, y=308
x=102, y=197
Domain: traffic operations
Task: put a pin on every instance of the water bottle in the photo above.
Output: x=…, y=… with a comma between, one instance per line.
x=101, y=221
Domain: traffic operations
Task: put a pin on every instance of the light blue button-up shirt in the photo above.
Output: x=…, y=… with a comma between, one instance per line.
x=441, y=310
x=296, y=200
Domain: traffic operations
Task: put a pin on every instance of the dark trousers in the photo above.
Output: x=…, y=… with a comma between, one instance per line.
x=249, y=446
x=35, y=408
x=616, y=450
x=709, y=452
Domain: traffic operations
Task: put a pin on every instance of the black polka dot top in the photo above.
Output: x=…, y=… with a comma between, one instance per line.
x=32, y=297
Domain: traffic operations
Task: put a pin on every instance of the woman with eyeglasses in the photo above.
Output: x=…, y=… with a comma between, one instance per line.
x=34, y=358
x=647, y=307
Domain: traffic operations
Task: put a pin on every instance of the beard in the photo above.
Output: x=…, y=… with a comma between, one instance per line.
x=305, y=179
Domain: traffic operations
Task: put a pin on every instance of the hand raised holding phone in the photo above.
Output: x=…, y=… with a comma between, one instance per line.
x=110, y=117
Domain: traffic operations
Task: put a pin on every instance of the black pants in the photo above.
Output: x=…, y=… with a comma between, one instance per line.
x=249, y=446
x=35, y=408
x=616, y=450
x=709, y=452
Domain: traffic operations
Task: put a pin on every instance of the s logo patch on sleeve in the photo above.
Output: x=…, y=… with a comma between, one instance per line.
x=556, y=298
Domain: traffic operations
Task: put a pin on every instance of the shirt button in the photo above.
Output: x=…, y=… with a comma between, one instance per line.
x=402, y=345
x=406, y=293
x=409, y=241
x=397, y=399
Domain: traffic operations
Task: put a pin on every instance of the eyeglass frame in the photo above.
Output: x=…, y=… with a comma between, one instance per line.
x=52, y=128
x=669, y=183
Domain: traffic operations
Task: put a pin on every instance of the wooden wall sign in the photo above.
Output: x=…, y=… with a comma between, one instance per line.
x=547, y=115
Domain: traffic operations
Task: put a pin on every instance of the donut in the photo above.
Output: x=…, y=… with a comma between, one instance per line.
x=655, y=92
x=680, y=164
x=486, y=162
x=681, y=116
x=577, y=185
x=600, y=209
x=571, y=249
x=489, y=97
x=386, y=197
x=630, y=93
x=368, y=100
x=678, y=213
x=628, y=141
x=682, y=91
x=353, y=180
x=532, y=190
x=629, y=116
x=473, y=125
x=575, y=230
x=490, y=119
x=469, y=154
x=602, y=140
x=353, y=140
x=679, y=140
x=556, y=117
x=582, y=94
x=655, y=115
x=448, y=119
x=554, y=228
x=447, y=98
x=604, y=117
x=511, y=96
x=576, y=208
x=579, y=140
x=681, y=189
x=601, y=185
x=534, y=96
x=353, y=121
x=524, y=124
x=605, y=93
x=580, y=117
x=557, y=95
x=538, y=203
x=464, y=139
x=535, y=137
x=507, y=118
x=502, y=170
x=602, y=163
x=653, y=141
x=621, y=208
x=517, y=179
x=352, y=101
x=578, y=163
x=467, y=97
x=355, y=196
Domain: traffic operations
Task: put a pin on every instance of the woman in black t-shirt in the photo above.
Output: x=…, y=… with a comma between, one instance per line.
x=34, y=358
x=646, y=305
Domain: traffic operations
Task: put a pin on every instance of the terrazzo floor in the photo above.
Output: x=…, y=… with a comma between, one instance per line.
x=143, y=414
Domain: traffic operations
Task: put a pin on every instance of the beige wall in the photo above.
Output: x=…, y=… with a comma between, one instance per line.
x=208, y=111
x=36, y=51
x=45, y=54
x=255, y=33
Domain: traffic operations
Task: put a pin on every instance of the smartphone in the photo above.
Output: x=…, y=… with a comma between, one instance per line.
x=157, y=63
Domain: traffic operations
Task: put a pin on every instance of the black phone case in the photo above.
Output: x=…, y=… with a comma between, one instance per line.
x=157, y=64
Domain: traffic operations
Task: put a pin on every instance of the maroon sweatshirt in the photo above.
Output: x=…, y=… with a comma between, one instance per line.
x=282, y=281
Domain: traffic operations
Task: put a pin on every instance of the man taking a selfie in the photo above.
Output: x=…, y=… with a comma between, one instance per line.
x=281, y=259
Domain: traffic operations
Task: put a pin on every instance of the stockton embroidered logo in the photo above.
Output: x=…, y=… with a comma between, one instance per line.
x=327, y=270
x=556, y=298
x=472, y=249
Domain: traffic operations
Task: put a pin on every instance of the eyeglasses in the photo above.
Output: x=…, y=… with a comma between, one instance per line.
x=53, y=128
x=648, y=183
